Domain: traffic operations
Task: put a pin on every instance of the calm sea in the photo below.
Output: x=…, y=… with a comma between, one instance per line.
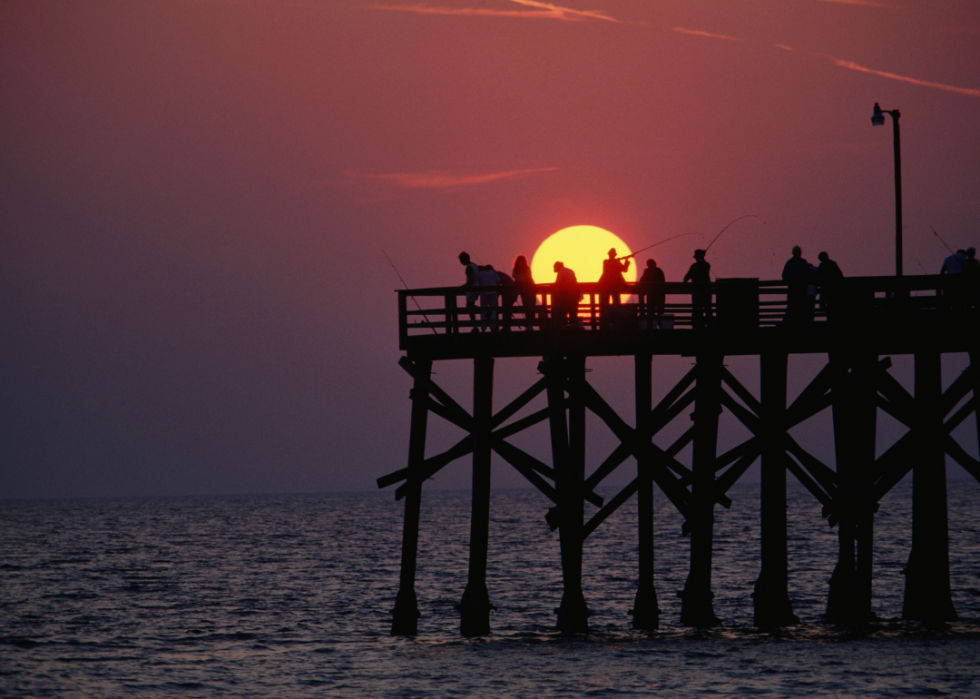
x=290, y=597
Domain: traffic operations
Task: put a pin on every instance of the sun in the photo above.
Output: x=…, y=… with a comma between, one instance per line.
x=582, y=249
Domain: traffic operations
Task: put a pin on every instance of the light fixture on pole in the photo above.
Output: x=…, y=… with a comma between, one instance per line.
x=878, y=119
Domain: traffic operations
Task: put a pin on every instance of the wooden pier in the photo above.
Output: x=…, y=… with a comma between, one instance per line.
x=857, y=324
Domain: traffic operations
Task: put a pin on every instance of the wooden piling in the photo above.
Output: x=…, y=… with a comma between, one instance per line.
x=771, y=595
x=475, y=606
x=568, y=453
x=645, y=612
x=406, y=611
x=928, y=596
x=855, y=416
x=696, y=598
x=869, y=321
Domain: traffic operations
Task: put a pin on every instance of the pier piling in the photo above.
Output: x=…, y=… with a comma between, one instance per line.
x=870, y=318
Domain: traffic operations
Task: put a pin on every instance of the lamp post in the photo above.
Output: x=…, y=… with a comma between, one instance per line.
x=878, y=119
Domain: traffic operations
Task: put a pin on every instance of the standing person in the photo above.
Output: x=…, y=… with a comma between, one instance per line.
x=971, y=274
x=508, y=297
x=487, y=276
x=971, y=265
x=611, y=283
x=699, y=274
x=827, y=276
x=651, y=293
x=524, y=283
x=471, y=280
x=796, y=273
x=954, y=263
x=565, y=298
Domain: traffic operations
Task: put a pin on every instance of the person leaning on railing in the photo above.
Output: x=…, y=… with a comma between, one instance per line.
x=828, y=274
x=524, y=283
x=565, y=297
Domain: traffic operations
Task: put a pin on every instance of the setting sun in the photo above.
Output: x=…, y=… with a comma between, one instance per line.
x=581, y=248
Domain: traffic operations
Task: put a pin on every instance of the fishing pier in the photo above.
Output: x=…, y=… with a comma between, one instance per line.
x=857, y=324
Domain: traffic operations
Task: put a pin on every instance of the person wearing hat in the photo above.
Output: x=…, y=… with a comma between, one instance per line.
x=699, y=274
x=611, y=284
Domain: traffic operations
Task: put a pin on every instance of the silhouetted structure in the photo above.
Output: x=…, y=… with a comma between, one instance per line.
x=699, y=274
x=874, y=317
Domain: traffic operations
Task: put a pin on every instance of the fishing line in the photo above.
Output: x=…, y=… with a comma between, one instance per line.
x=936, y=233
x=409, y=290
x=726, y=228
x=626, y=257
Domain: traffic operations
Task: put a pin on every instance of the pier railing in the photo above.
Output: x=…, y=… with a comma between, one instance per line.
x=735, y=304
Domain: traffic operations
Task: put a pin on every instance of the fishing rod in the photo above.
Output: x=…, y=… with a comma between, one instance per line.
x=936, y=233
x=409, y=290
x=726, y=228
x=626, y=257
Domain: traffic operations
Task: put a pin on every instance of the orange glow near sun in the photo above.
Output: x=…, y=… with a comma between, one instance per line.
x=582, y=249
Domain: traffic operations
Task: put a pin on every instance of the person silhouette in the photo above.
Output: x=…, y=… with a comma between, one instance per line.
x=611, y=284
x=796, y=272
x=565, y=297
x=699, y=274
x=827, y=276
x=486, y=276
x=651, y=293
x=524, y=284
x=471, y=280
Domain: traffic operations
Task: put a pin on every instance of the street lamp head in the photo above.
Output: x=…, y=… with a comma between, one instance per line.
x=878, y=118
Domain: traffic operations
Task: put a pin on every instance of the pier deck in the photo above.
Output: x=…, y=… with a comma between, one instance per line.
x=856, y=323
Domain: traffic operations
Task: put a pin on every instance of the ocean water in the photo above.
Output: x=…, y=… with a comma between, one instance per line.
x=289, y=596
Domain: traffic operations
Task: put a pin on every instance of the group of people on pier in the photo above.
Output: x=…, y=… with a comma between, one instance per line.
x=804, y=281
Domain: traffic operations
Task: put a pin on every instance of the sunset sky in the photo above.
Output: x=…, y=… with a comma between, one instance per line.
x=196, y=199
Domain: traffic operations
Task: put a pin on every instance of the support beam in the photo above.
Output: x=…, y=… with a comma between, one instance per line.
x=645, y=612
x=975, y=372
x=771, y=595
x=855, y=412
x=475, y=608
x=927, y=591
x=573, y=614
x=696, y=598
x=406, y=611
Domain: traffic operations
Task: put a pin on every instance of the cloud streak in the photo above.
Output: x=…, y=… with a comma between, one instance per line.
x=851, y=65
x=863, y=3
x=441, y=180
x=539, y=10
x=709, y=35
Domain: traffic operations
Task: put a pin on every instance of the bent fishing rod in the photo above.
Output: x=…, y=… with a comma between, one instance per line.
x=410, y=294
x=626, y=257
x=726, y=228
x=936, y=233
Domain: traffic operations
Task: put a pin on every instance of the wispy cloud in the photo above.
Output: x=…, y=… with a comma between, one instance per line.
x=709, y=35
x=441, y=180
x=851, y=65
x=863, y=3
x=538, y=10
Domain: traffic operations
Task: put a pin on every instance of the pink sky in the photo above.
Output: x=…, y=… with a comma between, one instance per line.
x=195, y=196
